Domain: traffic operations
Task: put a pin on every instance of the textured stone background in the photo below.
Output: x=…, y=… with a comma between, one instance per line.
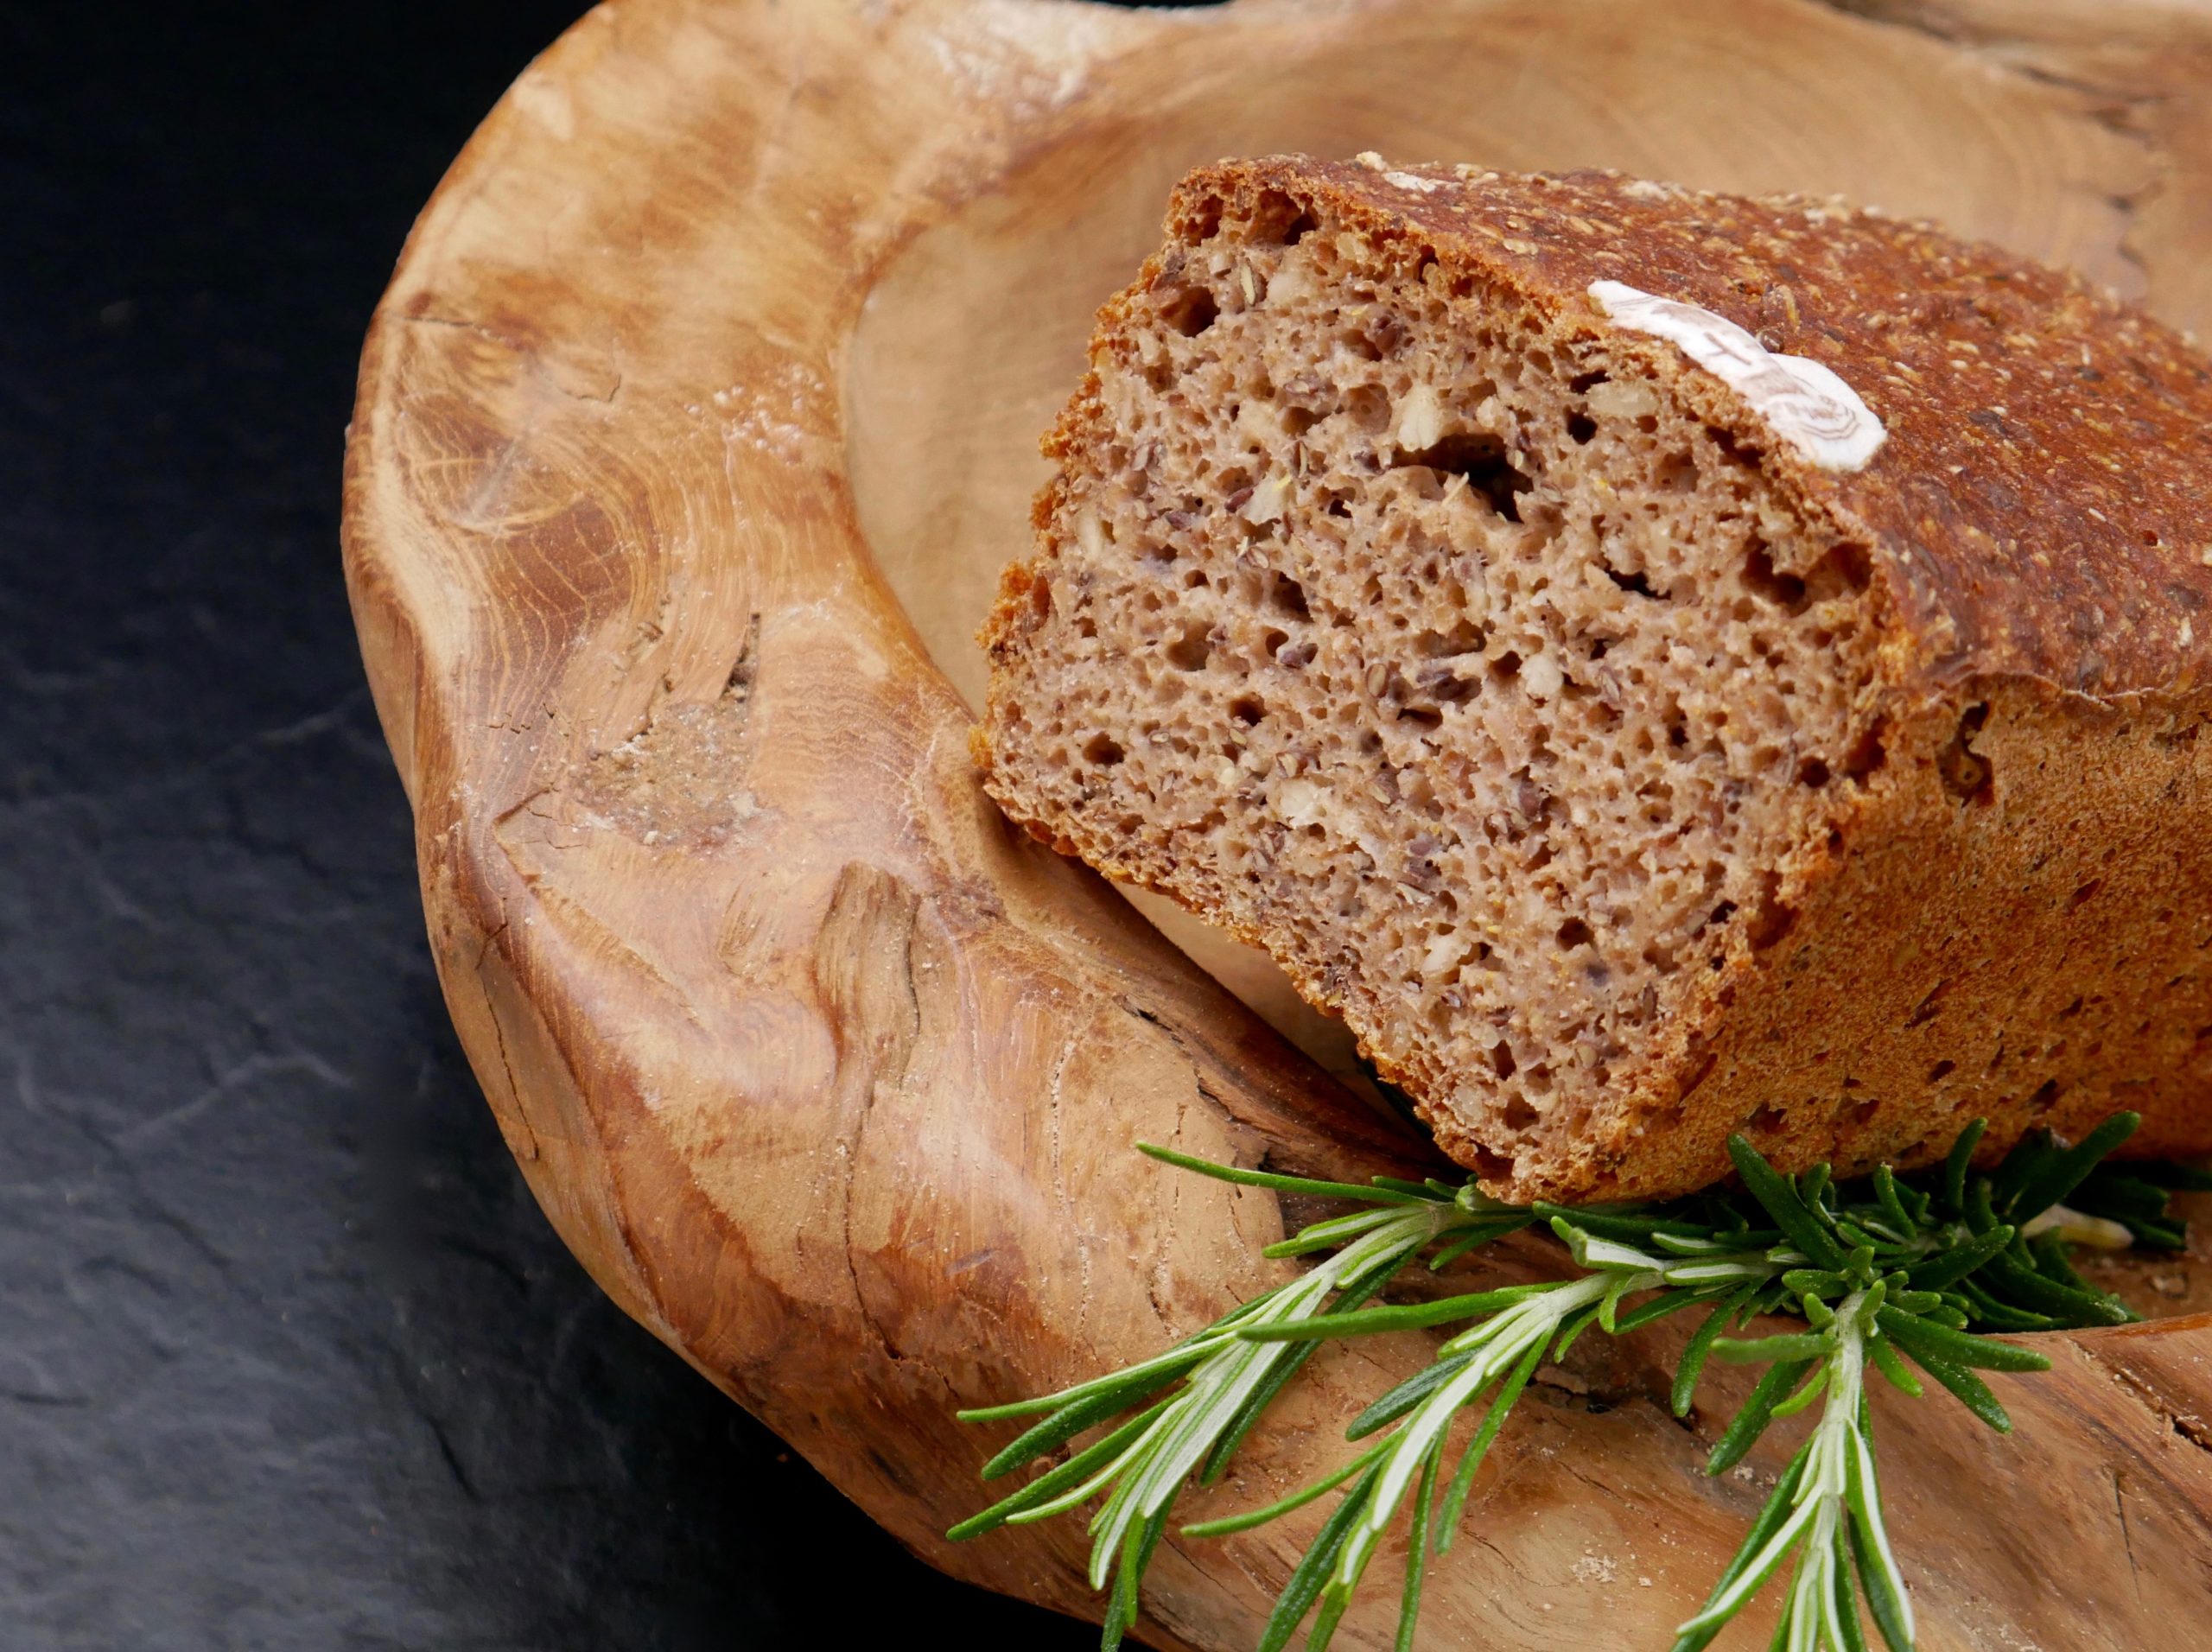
x=287, y=1357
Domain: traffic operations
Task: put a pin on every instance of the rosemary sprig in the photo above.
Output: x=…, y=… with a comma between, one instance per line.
x=1227, y=1379
x=1892, y=1270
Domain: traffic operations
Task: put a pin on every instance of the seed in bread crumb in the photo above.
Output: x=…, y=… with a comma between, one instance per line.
x=1621, y=398
x=1420, y=419
x=1299, y=802
x=1268, y=500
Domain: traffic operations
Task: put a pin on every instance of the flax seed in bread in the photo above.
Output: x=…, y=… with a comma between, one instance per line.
x=1657, y=663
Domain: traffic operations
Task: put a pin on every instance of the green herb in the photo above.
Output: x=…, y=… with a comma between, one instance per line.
x=1895, y=1273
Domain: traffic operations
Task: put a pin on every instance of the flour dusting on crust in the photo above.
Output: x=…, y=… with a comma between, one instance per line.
x=1808, y=404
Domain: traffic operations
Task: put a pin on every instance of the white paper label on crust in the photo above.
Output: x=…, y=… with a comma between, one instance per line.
x=1807, y=404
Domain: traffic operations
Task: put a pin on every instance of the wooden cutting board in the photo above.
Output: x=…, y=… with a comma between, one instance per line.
x=692, y=431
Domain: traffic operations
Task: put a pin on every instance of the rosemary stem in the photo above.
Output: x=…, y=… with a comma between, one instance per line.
x=1835, y=1508
x=1162, y=1459
x=1502, y=1342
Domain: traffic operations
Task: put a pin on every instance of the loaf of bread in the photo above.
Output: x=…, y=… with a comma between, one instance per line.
x=1657, y=664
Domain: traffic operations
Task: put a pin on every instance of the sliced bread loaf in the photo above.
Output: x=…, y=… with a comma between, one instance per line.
x=1657, y=664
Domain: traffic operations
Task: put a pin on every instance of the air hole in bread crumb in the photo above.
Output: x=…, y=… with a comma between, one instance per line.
x=1500, y=1059
x=1520, y=1115
x=1765, y=1120
x=1191, y=312
x=1785, y=591
x=2082, y=897
x=1925, y=1011
x=1869, y=752
x=1277, y=221
x=1368, y=406
x=1813, y=772
x=2046, y=1094
x=1843, y=568
x=1481, y=459
x=1966, y=774
x=1941, y=1071
x=1488, y=1164
x=1770, y=920
x=1580, y=427
x=1102, y=751
x=1736, y=452
x=1463, y=638
x=1190, y=652
x=1248, y=708
x=1573, y=933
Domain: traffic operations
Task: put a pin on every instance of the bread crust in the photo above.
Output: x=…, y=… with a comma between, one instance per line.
x=2025, y=886
x=2041, y=508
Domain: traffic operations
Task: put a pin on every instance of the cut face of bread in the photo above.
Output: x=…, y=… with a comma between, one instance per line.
x=1502, y=672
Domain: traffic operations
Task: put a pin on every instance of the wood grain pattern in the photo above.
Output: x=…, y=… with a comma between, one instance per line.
x=691, y=432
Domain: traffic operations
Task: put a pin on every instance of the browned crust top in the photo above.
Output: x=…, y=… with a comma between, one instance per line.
x=2039, y=509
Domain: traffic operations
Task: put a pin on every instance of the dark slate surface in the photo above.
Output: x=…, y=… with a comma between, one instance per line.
x=287, y=1357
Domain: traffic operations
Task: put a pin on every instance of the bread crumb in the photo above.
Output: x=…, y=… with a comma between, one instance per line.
x=1594, y=1568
